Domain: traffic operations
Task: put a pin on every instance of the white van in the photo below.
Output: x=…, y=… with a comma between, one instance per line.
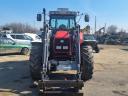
x=34, y=37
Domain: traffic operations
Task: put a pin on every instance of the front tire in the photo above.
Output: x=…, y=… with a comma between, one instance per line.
x=86, y=63
x=36, y=61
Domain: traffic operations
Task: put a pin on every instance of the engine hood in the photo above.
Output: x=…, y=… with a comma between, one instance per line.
x=62, y=34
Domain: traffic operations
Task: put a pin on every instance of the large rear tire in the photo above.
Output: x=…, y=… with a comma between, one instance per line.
x=86, y=63
x=36, y=61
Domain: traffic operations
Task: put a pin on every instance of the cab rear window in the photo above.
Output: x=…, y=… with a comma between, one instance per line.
x=89, y=37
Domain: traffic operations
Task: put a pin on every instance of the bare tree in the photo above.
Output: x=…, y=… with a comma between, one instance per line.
x=122, y=33
x=21, y=28
x=112, y=29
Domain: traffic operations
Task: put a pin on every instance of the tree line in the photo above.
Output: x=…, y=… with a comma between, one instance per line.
x=113, y=29
x=20, y=28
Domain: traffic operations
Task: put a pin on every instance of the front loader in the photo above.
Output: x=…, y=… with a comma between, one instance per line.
x=61, y=63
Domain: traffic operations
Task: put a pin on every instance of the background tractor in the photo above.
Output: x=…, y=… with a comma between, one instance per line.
x=61, y=61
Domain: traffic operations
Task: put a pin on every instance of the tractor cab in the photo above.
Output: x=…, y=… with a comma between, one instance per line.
x=62, y=24
x=62, y=19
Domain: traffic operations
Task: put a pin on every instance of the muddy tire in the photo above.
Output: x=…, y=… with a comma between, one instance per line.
x=24, y=51
x=97, y=50
x=86, y=63
x=36, y=61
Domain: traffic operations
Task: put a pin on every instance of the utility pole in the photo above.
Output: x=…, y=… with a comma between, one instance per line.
x=95, y=23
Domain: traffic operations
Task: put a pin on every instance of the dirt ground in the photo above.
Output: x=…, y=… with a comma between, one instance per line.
x=110, y=74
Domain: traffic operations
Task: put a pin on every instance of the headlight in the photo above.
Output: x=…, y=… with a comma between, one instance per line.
x=58, y=47
x=65, y=47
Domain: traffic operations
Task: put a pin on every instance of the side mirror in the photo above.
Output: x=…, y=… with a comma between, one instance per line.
x=86, y=18
x=39, y=17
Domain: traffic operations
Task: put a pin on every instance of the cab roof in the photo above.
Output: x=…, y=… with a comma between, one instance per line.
x=63, y=11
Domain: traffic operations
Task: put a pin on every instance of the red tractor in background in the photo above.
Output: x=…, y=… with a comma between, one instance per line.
x=62, y=50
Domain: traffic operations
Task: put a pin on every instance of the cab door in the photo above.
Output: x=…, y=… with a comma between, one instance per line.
x=2, y=46
x=11, y=46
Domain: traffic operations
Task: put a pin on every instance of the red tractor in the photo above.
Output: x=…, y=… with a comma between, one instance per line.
x=62, y=49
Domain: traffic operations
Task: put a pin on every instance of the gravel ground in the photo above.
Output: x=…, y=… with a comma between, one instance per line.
x=110, y=74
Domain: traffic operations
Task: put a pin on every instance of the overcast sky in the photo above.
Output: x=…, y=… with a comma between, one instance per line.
x=107, y=11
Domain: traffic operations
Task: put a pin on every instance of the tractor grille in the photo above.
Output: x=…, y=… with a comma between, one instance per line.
x=62, y=45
